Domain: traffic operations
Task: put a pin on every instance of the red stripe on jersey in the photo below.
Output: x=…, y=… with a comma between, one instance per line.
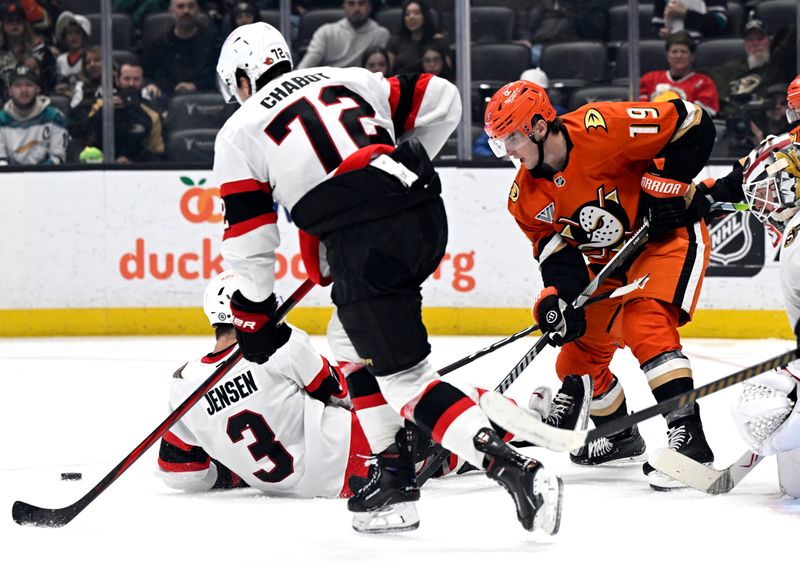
x=319, y=378
x=243, y=227
x=356, y=461
x=239, y=186
x=419, y=93
x=394, y=93
x=172, y=438
x=362, y=157
x=368, y=401
x=217, y=356
x=452, y=462
x=447, y=418
x=184, y=466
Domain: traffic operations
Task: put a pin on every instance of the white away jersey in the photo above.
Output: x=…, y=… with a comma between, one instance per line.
x=790, y=269
x=261, y=423
x=296, y=131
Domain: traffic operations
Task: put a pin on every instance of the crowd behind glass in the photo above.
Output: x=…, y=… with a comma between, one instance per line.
x=734, y=58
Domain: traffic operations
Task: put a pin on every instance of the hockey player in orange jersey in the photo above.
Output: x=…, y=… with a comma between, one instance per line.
x=586, y=179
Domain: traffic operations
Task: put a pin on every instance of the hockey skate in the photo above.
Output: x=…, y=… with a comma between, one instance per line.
x=686, y=436
x=537, y=494
x=620, y=448
x=570, y=406
x=385, y=502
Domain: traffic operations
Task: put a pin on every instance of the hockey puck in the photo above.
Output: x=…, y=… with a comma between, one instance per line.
x=71, y=476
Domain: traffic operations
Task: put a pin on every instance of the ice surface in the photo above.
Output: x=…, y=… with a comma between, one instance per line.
x=82, y=404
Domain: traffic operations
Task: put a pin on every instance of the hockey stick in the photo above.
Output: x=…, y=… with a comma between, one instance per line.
x=616, y=293
x=24, y=513
x=632, y=245
x=699, y=476
x=533, y=430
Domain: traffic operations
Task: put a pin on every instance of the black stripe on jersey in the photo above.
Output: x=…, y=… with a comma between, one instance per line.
x=171, y=453
x=243, y=206
x=408, y=84
x=331, y=385
x=362, y=383
x=686, y=269
x=435, y=403
x=685, y=157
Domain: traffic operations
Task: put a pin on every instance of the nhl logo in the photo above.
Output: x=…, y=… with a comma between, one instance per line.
x=737, y=246
x=560, y=181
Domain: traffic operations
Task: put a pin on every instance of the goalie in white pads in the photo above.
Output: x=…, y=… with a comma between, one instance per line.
x=767, y=413
x=347, y=152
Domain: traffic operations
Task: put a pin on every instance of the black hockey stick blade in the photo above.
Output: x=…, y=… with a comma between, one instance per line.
x=701, y=477
x=28, y=514
x=529, y=427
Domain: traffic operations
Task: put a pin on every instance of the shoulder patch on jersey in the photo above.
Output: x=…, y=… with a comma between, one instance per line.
x=790, y=237
x=594, y=119
x=546, y=214
x=179, y=372
x=513, y=195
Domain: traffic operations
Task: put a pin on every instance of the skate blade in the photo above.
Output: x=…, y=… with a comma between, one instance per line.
x=548, y=516
x=617, y=462
x=391, y=519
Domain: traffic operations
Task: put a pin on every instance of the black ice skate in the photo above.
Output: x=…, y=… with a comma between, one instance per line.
x=537, y=495
x=385, y=502
x=570, y=406
x=686, y=436
x=619, y=448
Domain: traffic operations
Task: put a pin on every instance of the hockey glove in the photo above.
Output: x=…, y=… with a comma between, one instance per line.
x=258, y=334
x=664, y=214
x=555, y=317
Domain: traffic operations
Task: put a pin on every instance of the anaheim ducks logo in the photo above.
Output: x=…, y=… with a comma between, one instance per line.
x=599, y=227
x=513, y=195
x=594, y=119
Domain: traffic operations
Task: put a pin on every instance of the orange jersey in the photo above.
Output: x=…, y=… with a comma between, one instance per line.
x=592, y=203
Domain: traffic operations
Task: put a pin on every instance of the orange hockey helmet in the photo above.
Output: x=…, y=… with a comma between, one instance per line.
x=511, y=112
x=793, y=100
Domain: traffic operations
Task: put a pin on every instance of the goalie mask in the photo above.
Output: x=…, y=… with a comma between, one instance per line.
x=254, y=49
x=770, y=177
x=217, y=298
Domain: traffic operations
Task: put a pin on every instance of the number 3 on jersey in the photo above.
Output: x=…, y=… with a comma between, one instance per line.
x=265, y=445
x=306, y=113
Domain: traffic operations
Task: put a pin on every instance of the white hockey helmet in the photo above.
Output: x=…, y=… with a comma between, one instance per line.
x=255, y=49
x=217, y=298
x=771, y=177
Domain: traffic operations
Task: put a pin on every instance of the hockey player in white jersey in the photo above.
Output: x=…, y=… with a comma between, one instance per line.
x=347, y=152
x=283, y=427
x=767, y=414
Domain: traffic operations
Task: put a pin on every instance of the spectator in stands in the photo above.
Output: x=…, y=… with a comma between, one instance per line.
x=18, y=42
x=436, y=61
x=702, y=19
x=184, y=60
x=557, y=21
x=680, y=81
x=745, y=81
x=72, y=34
x=244, y=13
x=416, y=32
x=32, y=131
x=376, y=59
x=138, y=134
x=343, y=43
x=87, y=87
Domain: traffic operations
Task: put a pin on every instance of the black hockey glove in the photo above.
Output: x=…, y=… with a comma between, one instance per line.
x=258, y=334
x=664, y=214
x=556, y=317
